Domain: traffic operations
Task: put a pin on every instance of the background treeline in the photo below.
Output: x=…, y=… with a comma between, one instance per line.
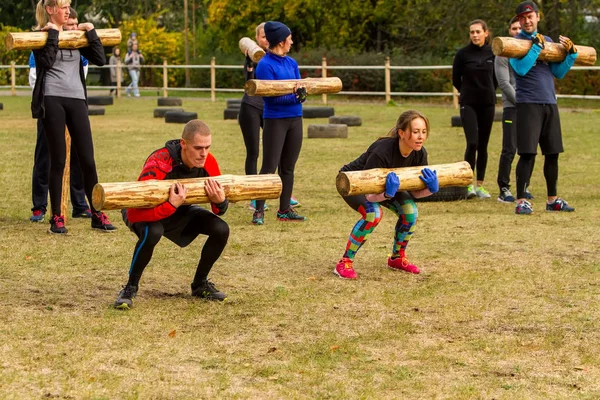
x=347, y=32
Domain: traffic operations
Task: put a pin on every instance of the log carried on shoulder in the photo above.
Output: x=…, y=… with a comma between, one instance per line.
x=267, y=88
x=553, y=52
x=255, y=52
x=66, y=39
x=147, y=194
x=372, y=181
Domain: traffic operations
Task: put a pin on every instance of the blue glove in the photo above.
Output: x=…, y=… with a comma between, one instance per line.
x=430, y=179
x=392, y=184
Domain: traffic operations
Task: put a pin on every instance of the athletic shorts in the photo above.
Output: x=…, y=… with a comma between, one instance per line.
x=538, y=124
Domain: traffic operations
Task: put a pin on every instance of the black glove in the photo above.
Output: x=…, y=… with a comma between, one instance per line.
x=301, y=94
x=539, y=40
x=569, y=46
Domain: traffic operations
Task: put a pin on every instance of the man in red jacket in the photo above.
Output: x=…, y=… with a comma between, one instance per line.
x=188, y=157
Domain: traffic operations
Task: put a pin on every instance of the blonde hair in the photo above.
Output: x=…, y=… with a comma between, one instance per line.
x=41, y=16
x=405, y=120
x=193, y=128
x=260, y=27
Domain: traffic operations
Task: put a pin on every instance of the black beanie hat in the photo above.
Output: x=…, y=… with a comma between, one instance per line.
x=526, y=7
x=276, y=32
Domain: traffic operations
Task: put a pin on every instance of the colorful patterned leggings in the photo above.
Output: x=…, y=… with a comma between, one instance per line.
x=402, y=205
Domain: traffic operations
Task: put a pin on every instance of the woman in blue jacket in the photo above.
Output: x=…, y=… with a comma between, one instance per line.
x=282, y=115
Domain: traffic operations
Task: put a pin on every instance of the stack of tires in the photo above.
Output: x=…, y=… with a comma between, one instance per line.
x=233, y=109
x=169, y=109
x=96, y=103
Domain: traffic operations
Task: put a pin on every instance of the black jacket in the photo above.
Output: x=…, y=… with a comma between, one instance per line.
x=44, y=60
x=473, y=75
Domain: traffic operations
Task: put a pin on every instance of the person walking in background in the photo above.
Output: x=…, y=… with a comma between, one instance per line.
x=506, y=81
x=114, y=61
x=538, y=119
x=41, y=160
x=131, y=41
x=473, y=76
x=60, y=98
x=133, y=60
x=251, y=116
x=282, y=134
x=401, y=147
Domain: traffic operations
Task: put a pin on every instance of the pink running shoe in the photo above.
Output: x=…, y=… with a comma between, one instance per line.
x=402, y=263
x=344, y=269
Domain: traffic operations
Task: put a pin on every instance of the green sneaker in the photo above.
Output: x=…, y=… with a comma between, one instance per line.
x=482, y=193
x=471, y=192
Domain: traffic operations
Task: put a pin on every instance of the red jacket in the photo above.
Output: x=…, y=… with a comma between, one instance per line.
x=163, y=164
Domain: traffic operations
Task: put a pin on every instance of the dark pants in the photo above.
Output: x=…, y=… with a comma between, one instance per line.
x=61, y=111
x=477, y=123
x=41, y=170
x=509, y=146
x=250, y=120
x=282, y=141
x=181, y=228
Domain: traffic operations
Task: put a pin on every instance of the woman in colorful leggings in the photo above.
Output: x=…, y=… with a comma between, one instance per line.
x=402, y=147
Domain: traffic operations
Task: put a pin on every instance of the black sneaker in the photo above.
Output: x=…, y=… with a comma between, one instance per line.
x=125, y=299
x=207, y=290
x=100, y=221
x=506, y=196
x=57, y=225
x=290, y=215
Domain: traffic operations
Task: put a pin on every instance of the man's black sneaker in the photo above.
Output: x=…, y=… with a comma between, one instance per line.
x=100, y=221
x=290, y=215
x=207, y=290
x=57, y=225
x=125, y=299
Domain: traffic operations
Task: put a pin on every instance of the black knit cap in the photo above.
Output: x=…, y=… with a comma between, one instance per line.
x=276, y=32
x=526, y=7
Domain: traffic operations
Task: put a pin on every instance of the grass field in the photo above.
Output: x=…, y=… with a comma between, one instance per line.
x=506, y=306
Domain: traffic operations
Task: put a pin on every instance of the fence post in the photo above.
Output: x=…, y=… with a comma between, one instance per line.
x=213, y=79
x=455, y=97
x=13, y=79
x=165, y=78
x=388, y=84
x=324, y=75
x=119, y=77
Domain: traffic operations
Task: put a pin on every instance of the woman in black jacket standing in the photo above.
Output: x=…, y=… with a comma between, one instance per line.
x=473, y=76
x=60, y=98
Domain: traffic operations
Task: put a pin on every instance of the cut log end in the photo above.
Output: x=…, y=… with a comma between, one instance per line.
x=8, y=42
x=342, y=183
x=98, y=197
x=497, y=46
x=250, y=87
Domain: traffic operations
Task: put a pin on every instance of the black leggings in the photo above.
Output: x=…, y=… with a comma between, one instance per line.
x=182, y=228
x=61, y=111
x=250, y=120
x=477, y=123
x=282, y=141
x=525, y=168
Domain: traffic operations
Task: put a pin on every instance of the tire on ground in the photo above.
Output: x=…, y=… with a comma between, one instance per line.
x=160, y=112
x=350, y=120
x=96, y=110
x=231, y=113
x=328, y=131
x=456, y=121
x=1, y=106
x=234, y=103
x=448, y=193
x=317, y=112
x=169, y=101
x=100, y=100
x=180, y=117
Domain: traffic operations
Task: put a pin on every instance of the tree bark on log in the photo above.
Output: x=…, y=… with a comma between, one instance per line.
x=553, y=52
x=372, y=181
x=66, y=39
x=255, y=52
x=267, y=88
x=66, y=179
x=147, y=194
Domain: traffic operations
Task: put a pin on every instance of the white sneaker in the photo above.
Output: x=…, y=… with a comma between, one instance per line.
x=471, y=192
x=482, y=193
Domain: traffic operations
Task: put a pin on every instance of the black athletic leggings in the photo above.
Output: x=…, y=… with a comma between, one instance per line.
x=61, y=111
x=282, y=141
x=250, y=120
x=477, y=123
x=203, y=222
x=525, y=168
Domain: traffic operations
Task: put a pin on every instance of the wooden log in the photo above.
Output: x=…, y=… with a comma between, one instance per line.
x=255, y=52
x=553, y=52
x=66, y=179
x=372, y=181
x=266, y=88
x=147, y=194
x=66, y=39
